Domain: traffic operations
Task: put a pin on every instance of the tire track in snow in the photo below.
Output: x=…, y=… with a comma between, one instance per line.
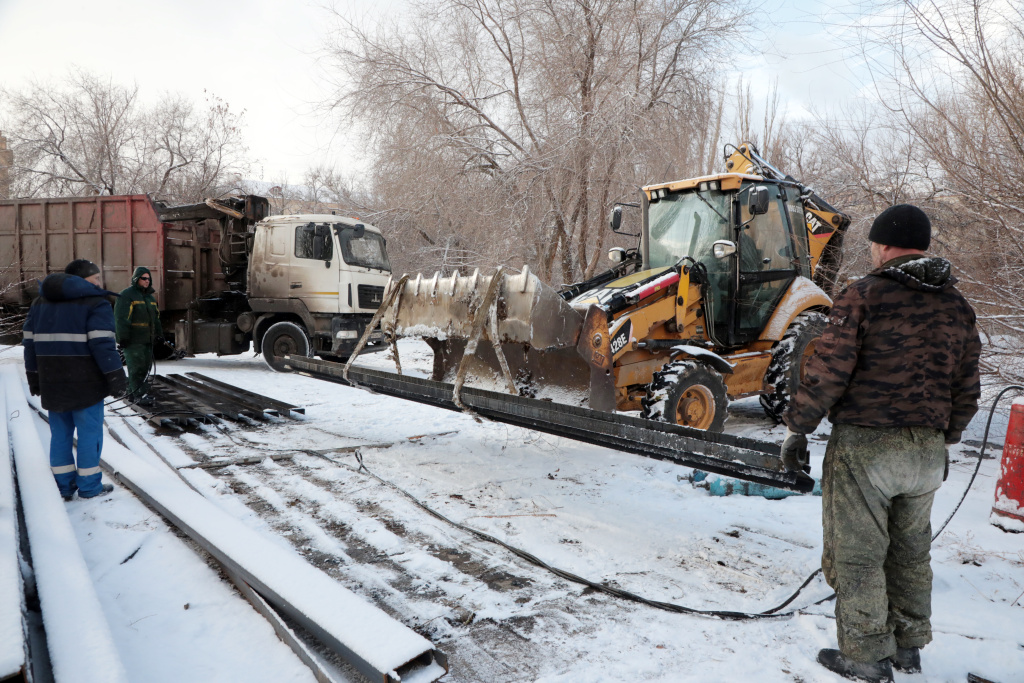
x=478, y=621
x=373, y=540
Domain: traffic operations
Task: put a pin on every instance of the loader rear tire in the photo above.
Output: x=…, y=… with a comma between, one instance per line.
x=789, y=358
x=687, y=393
x=284, y=338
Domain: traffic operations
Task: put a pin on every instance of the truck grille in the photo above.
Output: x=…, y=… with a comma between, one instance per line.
x=370, y=296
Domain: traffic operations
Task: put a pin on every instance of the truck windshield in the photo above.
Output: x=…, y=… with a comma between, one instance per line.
x=367, y=250
x=682, y=224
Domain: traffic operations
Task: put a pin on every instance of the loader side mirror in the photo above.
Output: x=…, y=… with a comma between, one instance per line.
x=615, y=219
x=758, y=200
x=723, y=248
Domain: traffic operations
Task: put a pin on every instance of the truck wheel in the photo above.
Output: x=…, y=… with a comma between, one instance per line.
x=688, y=393
x=789, y=357
x=284, y=339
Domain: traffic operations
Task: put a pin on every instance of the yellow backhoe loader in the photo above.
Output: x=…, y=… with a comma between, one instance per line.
x=724, y=298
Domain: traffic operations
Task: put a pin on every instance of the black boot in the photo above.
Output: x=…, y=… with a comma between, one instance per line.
x=907, y=660
x=71, y=493
x=104, y=490
x=872, y=672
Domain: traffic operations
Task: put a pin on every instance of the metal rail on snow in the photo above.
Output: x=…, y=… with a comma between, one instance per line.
x=733, y=456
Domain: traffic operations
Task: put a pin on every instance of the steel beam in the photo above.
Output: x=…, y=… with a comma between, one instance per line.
x=303, y=593
x=285, y=408
x=67, y=595
x=13, y=646
x=220, y=407
x=244, y=405
x=733, y=456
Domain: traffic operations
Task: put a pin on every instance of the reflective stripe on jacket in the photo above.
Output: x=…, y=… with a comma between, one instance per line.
x=68, y=339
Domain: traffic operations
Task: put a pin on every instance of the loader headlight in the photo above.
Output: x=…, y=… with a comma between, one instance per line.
x=616, y=254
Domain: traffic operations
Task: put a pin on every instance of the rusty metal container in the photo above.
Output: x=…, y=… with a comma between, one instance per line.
x=118, y=233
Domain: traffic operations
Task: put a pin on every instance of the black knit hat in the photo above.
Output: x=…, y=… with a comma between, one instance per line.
x=82, y=268
x=903, y=225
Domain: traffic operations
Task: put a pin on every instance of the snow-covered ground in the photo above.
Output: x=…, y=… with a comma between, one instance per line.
x=615, y=518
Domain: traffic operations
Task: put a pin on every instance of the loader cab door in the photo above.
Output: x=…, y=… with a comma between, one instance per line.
x=313, y=275
x=767, y=262
x=688, y=223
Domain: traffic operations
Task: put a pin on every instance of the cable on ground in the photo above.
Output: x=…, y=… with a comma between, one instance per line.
x=773, y=613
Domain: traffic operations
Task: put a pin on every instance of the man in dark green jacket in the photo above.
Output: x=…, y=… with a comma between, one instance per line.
x=137, y=318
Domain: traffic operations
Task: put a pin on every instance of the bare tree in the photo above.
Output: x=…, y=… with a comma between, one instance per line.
x=949, y=135
x=508, y=128
x=91, y=136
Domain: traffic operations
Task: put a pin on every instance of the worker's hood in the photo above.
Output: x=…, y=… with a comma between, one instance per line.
x=926, y=273
x=139, y=272
x=64, y=287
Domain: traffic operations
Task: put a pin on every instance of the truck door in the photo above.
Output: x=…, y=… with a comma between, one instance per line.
x=313, y=275
x=270, y=265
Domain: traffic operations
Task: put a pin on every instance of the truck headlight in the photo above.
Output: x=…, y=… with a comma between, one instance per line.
x=347, y=334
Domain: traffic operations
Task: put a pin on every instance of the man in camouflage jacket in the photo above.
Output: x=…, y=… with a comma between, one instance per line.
x=896, y=370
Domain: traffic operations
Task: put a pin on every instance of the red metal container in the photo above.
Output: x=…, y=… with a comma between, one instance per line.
x=1008, y=511
x=40, y=236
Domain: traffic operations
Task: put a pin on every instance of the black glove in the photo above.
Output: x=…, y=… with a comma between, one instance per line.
x=794, y=453
x=33, y=382
x=117, y=383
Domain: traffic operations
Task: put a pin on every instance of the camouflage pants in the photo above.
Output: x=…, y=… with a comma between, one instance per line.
x=877, y=491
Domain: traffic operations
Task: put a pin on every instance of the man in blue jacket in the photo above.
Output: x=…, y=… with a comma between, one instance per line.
x=72, y=364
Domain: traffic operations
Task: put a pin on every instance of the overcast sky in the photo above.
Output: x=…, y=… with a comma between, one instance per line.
x=261, y=56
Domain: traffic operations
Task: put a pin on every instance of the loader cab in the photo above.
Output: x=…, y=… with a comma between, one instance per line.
x=746, y=231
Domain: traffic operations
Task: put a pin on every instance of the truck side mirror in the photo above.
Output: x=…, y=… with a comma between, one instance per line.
x=758, y=200
x=615, y=219
x=358, y=230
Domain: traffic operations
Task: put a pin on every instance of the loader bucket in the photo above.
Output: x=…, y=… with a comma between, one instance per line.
x=528, y=311
x=504, y=332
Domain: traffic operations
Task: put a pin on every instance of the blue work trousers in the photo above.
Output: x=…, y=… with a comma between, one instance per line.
x=86, y=476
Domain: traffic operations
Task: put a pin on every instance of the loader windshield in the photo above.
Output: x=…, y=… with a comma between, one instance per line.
x=686, y=224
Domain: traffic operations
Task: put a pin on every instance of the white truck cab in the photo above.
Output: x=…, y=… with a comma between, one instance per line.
x=314, y=283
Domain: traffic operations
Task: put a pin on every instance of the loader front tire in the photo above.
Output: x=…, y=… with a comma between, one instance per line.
x=789, y=358
x=688, y=393
x=284, y=339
